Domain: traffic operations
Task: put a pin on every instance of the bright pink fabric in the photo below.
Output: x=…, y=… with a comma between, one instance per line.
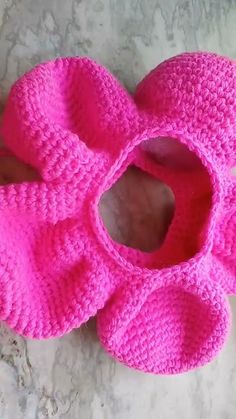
x=160, y=312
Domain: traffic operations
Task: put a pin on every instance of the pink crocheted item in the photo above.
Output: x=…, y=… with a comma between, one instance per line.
x=160, y=312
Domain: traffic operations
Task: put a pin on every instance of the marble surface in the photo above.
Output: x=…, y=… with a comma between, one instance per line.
x=72, y=377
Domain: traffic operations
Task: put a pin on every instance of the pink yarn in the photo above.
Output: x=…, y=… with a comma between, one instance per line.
x=4, y=152
x=161, y=312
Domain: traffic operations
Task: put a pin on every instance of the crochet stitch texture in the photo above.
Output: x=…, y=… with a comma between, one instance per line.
x=161, y=312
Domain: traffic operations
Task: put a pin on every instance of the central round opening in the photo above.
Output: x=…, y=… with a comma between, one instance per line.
x=138, y=210
x=156, y=214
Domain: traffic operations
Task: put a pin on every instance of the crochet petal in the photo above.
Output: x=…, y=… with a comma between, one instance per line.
x=67, y=115
x=167, y=328
x=51, y=275
x=196, y=93
x=224, y=248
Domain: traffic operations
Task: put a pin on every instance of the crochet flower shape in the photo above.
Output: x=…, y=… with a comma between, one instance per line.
x=163, y=312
